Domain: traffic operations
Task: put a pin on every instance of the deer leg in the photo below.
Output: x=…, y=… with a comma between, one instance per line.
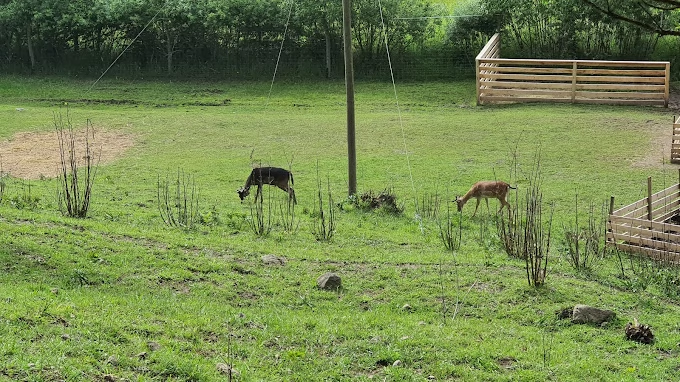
x=488, y=210
x=503, y=204
x=290, y=191
x=477, y=206
x=258, y=194
x=291, y=194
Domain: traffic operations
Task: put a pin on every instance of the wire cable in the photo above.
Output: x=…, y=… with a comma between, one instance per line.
x=401, y=122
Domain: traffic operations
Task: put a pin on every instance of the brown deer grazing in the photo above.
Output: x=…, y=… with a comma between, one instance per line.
x=273, y=176
x=484, y=190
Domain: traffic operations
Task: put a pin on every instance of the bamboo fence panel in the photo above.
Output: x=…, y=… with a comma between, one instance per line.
x=574, y=81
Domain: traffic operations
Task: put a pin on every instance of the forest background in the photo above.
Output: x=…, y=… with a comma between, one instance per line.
x=241, y=39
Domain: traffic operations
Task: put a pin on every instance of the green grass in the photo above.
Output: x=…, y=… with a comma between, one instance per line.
x=83, y=298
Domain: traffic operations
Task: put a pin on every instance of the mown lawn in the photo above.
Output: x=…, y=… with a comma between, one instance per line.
x=120, y=295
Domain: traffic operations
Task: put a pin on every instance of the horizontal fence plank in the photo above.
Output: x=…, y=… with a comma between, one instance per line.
x=580, y=63
x=649, y=226
x=622, y=79
x=640, y=102
x=523, y=99
x=630, y=207
x=537, y=70
x=526, y=77
x=524, y=92
x=652, y=253
x=630, y=87
x=637, y=222
x=528, y=85
x=648, y=242
x=622, y=72
x=668, y=191
x=665, y=216
x=625, y=95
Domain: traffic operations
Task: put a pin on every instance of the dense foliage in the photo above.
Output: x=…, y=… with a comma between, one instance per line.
x=234, y=37
x=243, y=38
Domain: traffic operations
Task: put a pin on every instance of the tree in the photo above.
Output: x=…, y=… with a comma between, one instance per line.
x=657, y=16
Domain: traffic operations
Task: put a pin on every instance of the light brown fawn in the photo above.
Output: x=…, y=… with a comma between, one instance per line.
x=486, y=189
x=274, y=176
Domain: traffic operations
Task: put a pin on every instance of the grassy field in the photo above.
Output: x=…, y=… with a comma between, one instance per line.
x=120, y=295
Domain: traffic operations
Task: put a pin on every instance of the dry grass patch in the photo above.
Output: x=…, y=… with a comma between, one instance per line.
x=30, y=155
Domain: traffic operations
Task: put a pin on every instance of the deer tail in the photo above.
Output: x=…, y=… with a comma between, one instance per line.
x=292, y=182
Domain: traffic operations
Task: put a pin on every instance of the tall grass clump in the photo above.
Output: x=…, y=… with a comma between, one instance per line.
x=450, y=231
x=585, y=243
x=178, y=200
x=428, y=206
x=75, y=179
x=260, y=220
x=287, y=216
x=324, y=225
x=25, y=199
x=526, y=232
x=2, y=180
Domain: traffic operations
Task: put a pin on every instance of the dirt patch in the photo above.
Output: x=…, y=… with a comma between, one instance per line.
x=659, y=147
x=659, y=152
x=37, y=155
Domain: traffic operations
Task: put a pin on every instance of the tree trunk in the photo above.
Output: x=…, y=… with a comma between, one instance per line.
x=29, y=42
x=169, y=46
x=328, y=55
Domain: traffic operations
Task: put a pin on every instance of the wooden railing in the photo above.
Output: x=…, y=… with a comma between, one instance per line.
x=575, y=81
x=675, y=142
x=648, y=226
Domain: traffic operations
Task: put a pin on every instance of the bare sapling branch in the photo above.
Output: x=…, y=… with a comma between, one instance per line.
x=450, y=232
x=178, y=207
x=74, y=192
x=260, y=220
x=324, y=224
x=585, y=244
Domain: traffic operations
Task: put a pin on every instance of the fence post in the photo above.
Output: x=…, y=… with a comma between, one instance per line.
x=478, y=81
x=649, y=198
x=668, y=84
x=573, y=81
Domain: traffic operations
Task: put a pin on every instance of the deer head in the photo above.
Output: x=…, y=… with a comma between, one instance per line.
x=243, y=193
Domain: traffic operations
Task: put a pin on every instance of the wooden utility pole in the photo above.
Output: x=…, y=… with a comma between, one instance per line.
x=349, y=86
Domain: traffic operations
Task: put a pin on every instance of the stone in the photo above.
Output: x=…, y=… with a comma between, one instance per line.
x=273, y=260
x=329, y=281
x=112, y=360
x=227, y=370
x=584, y=314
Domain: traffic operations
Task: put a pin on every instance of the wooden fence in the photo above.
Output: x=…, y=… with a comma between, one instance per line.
x=575, y=81
x=648, y=226
x=675, y=142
